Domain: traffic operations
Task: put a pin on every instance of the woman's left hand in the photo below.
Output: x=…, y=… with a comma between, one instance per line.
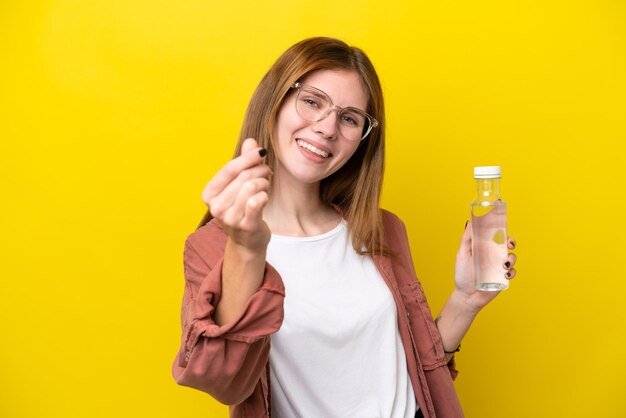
x=464, y=271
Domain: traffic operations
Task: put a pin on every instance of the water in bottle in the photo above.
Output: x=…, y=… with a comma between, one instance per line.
x=489, y=239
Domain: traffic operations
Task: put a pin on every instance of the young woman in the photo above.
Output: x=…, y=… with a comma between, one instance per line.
x=300, y=295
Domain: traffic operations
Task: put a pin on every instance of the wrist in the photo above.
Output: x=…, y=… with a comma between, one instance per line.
x=455, y=320
x=464, y=303
x=245, y=254
x=445, y=350
x=453, y=351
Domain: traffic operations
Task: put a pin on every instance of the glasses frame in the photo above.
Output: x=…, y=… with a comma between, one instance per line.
x=373, y=123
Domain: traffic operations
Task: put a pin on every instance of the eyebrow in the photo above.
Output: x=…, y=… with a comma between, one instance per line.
x=318, y=92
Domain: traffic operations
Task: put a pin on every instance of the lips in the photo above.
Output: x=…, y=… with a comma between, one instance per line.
x=310, y=147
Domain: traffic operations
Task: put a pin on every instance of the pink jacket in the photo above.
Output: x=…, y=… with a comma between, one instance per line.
x=230, y=362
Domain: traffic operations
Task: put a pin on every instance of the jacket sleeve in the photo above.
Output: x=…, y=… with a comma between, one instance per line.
x=225, y=361
x=414, y=288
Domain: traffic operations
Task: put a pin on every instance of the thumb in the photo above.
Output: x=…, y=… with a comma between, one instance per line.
x=248, y=144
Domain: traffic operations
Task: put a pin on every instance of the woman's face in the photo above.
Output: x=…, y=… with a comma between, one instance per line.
x=308, y=152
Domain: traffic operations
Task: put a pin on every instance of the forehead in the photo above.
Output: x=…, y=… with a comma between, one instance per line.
x=345, y=88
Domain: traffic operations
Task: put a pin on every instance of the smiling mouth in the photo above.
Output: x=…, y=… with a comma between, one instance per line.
x=313, y=149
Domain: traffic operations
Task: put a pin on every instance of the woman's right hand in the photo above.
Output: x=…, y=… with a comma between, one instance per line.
x=237, y=194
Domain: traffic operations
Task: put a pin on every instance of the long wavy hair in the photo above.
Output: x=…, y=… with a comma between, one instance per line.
x=356, y=187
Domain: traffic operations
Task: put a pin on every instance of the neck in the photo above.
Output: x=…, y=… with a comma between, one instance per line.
x=488, y=189
x=295, y=209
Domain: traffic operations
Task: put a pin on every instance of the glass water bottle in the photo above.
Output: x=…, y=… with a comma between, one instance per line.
x=489, y=239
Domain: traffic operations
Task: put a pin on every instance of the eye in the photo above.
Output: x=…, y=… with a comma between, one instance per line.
x=349, y=120
x=352, y=119
x=310, y=101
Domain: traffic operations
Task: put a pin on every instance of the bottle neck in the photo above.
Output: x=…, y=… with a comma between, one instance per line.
x=487, y=190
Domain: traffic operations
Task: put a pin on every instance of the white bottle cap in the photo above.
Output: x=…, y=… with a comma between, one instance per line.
x=487, y=172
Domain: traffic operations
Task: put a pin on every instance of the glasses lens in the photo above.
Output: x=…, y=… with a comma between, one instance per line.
x=313, y=105
x=353, y=123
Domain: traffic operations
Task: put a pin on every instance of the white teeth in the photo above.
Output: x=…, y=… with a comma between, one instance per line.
x=313, y=149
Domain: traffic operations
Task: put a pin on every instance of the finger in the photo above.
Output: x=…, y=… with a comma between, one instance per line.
x=231, y=170
x=254, y=210
x=248, y=144
x=235, y=214
x=228, y=196
x=511, y=244
x=510, y=274
x=510, y=261
x=253, y=156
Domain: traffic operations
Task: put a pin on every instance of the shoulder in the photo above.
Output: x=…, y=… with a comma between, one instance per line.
x=389, y=216
x=392, y=224
x=208, y=241
x=395, y=234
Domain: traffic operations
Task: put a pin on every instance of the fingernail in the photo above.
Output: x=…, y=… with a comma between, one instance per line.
x=513, y=244
x=262, y=152
x=507, y=265
x=466, y=222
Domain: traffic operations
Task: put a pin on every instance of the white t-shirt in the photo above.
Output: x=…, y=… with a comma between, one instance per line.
x=338, y=352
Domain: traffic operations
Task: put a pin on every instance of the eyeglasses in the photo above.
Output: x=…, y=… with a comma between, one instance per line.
x=313, y=105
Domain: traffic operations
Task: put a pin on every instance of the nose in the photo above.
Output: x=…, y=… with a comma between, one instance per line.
x=327, y=124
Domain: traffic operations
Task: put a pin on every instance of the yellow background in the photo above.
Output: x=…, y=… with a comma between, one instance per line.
x=114, y=114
